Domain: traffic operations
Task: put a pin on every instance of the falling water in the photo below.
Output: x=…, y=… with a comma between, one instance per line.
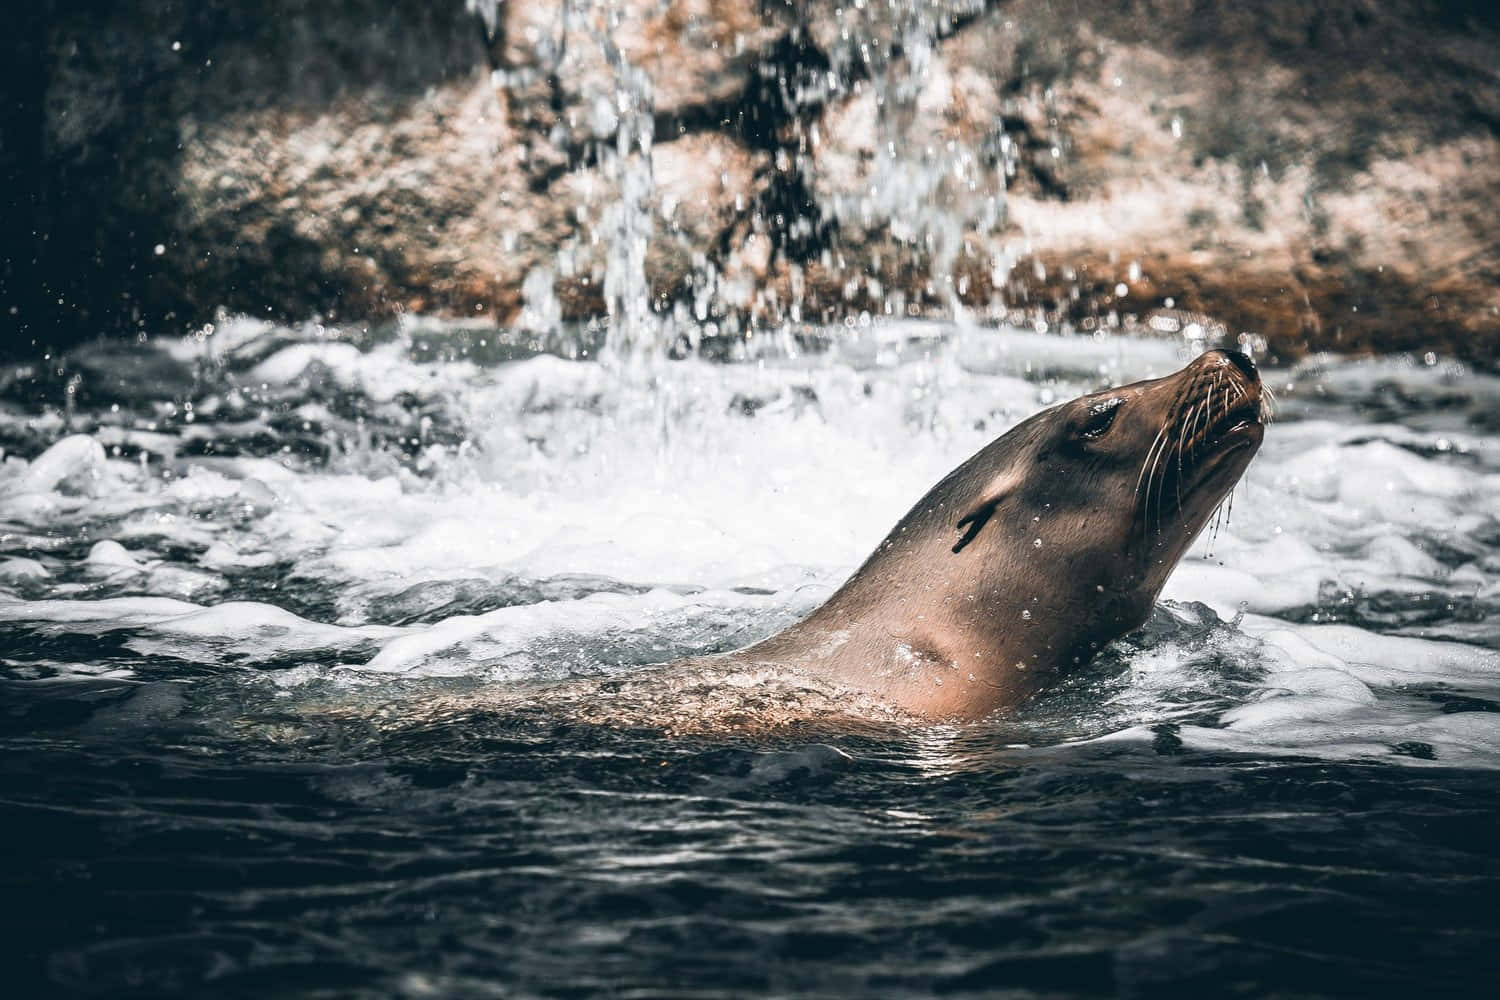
x=930, y=187
x=625, y=114
x=927, y=188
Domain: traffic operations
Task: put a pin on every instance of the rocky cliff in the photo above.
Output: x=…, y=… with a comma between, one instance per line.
x=1321, y=175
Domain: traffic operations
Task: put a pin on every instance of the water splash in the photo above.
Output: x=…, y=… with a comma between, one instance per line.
x=926, y=184
x=627, y=223
x=874, y=100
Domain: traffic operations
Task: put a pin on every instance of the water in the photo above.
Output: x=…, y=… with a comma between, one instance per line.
x=326, y=657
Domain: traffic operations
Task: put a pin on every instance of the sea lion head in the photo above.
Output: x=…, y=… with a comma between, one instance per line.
x=1051, y=541
x=1106, y=492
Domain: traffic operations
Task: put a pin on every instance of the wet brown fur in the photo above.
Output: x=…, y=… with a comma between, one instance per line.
x=1048, y=543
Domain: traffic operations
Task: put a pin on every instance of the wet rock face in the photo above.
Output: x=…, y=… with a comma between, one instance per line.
x=1321, y=175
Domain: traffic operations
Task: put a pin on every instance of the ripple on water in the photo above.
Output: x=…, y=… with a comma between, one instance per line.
x=344, y=685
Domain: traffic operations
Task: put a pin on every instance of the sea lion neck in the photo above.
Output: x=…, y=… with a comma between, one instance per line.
x=939, y=662
x=914, y=628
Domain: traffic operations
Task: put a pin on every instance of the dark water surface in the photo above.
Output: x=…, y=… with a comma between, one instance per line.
x=224, y=628
x=145, y=857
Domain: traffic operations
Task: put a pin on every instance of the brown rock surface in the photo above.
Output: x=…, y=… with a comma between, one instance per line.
x=1322, y=175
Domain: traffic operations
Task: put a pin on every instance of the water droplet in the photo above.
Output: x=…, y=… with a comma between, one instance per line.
x=1026, y=615
x=1036, y=544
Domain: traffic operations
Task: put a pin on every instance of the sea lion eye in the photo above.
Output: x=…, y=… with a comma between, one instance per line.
x=1101, y=415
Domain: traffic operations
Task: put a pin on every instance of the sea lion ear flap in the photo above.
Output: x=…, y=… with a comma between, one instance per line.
x=975, y=520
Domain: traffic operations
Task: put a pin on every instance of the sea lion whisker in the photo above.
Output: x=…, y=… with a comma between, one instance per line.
x=1143, y=486
x=1175, y=424
x=1225, y=402
x=1189, y=435
x=1186, y=439
x=1147, y=461
x=1200, y=420
x=1219, y=520
x=1153, y=458
x=1161, y=484
x=1169, y=422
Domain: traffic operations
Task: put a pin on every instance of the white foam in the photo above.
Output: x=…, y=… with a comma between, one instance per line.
x=1386, y=660
x=235, y=634
x=127, y=611
x=74, y=466
x=380, y=374
x=18, y=570
x=1337, y=691
x=110, y=556
x=225, y=554
x=187, y=584
x=661, y=480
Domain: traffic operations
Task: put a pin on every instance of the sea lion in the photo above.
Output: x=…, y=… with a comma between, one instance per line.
x=1048, y=543
x=1023, y=561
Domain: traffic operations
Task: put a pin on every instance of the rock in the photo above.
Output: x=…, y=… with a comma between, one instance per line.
x=699, y=57
x=1314, y=175
x=699, y=179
